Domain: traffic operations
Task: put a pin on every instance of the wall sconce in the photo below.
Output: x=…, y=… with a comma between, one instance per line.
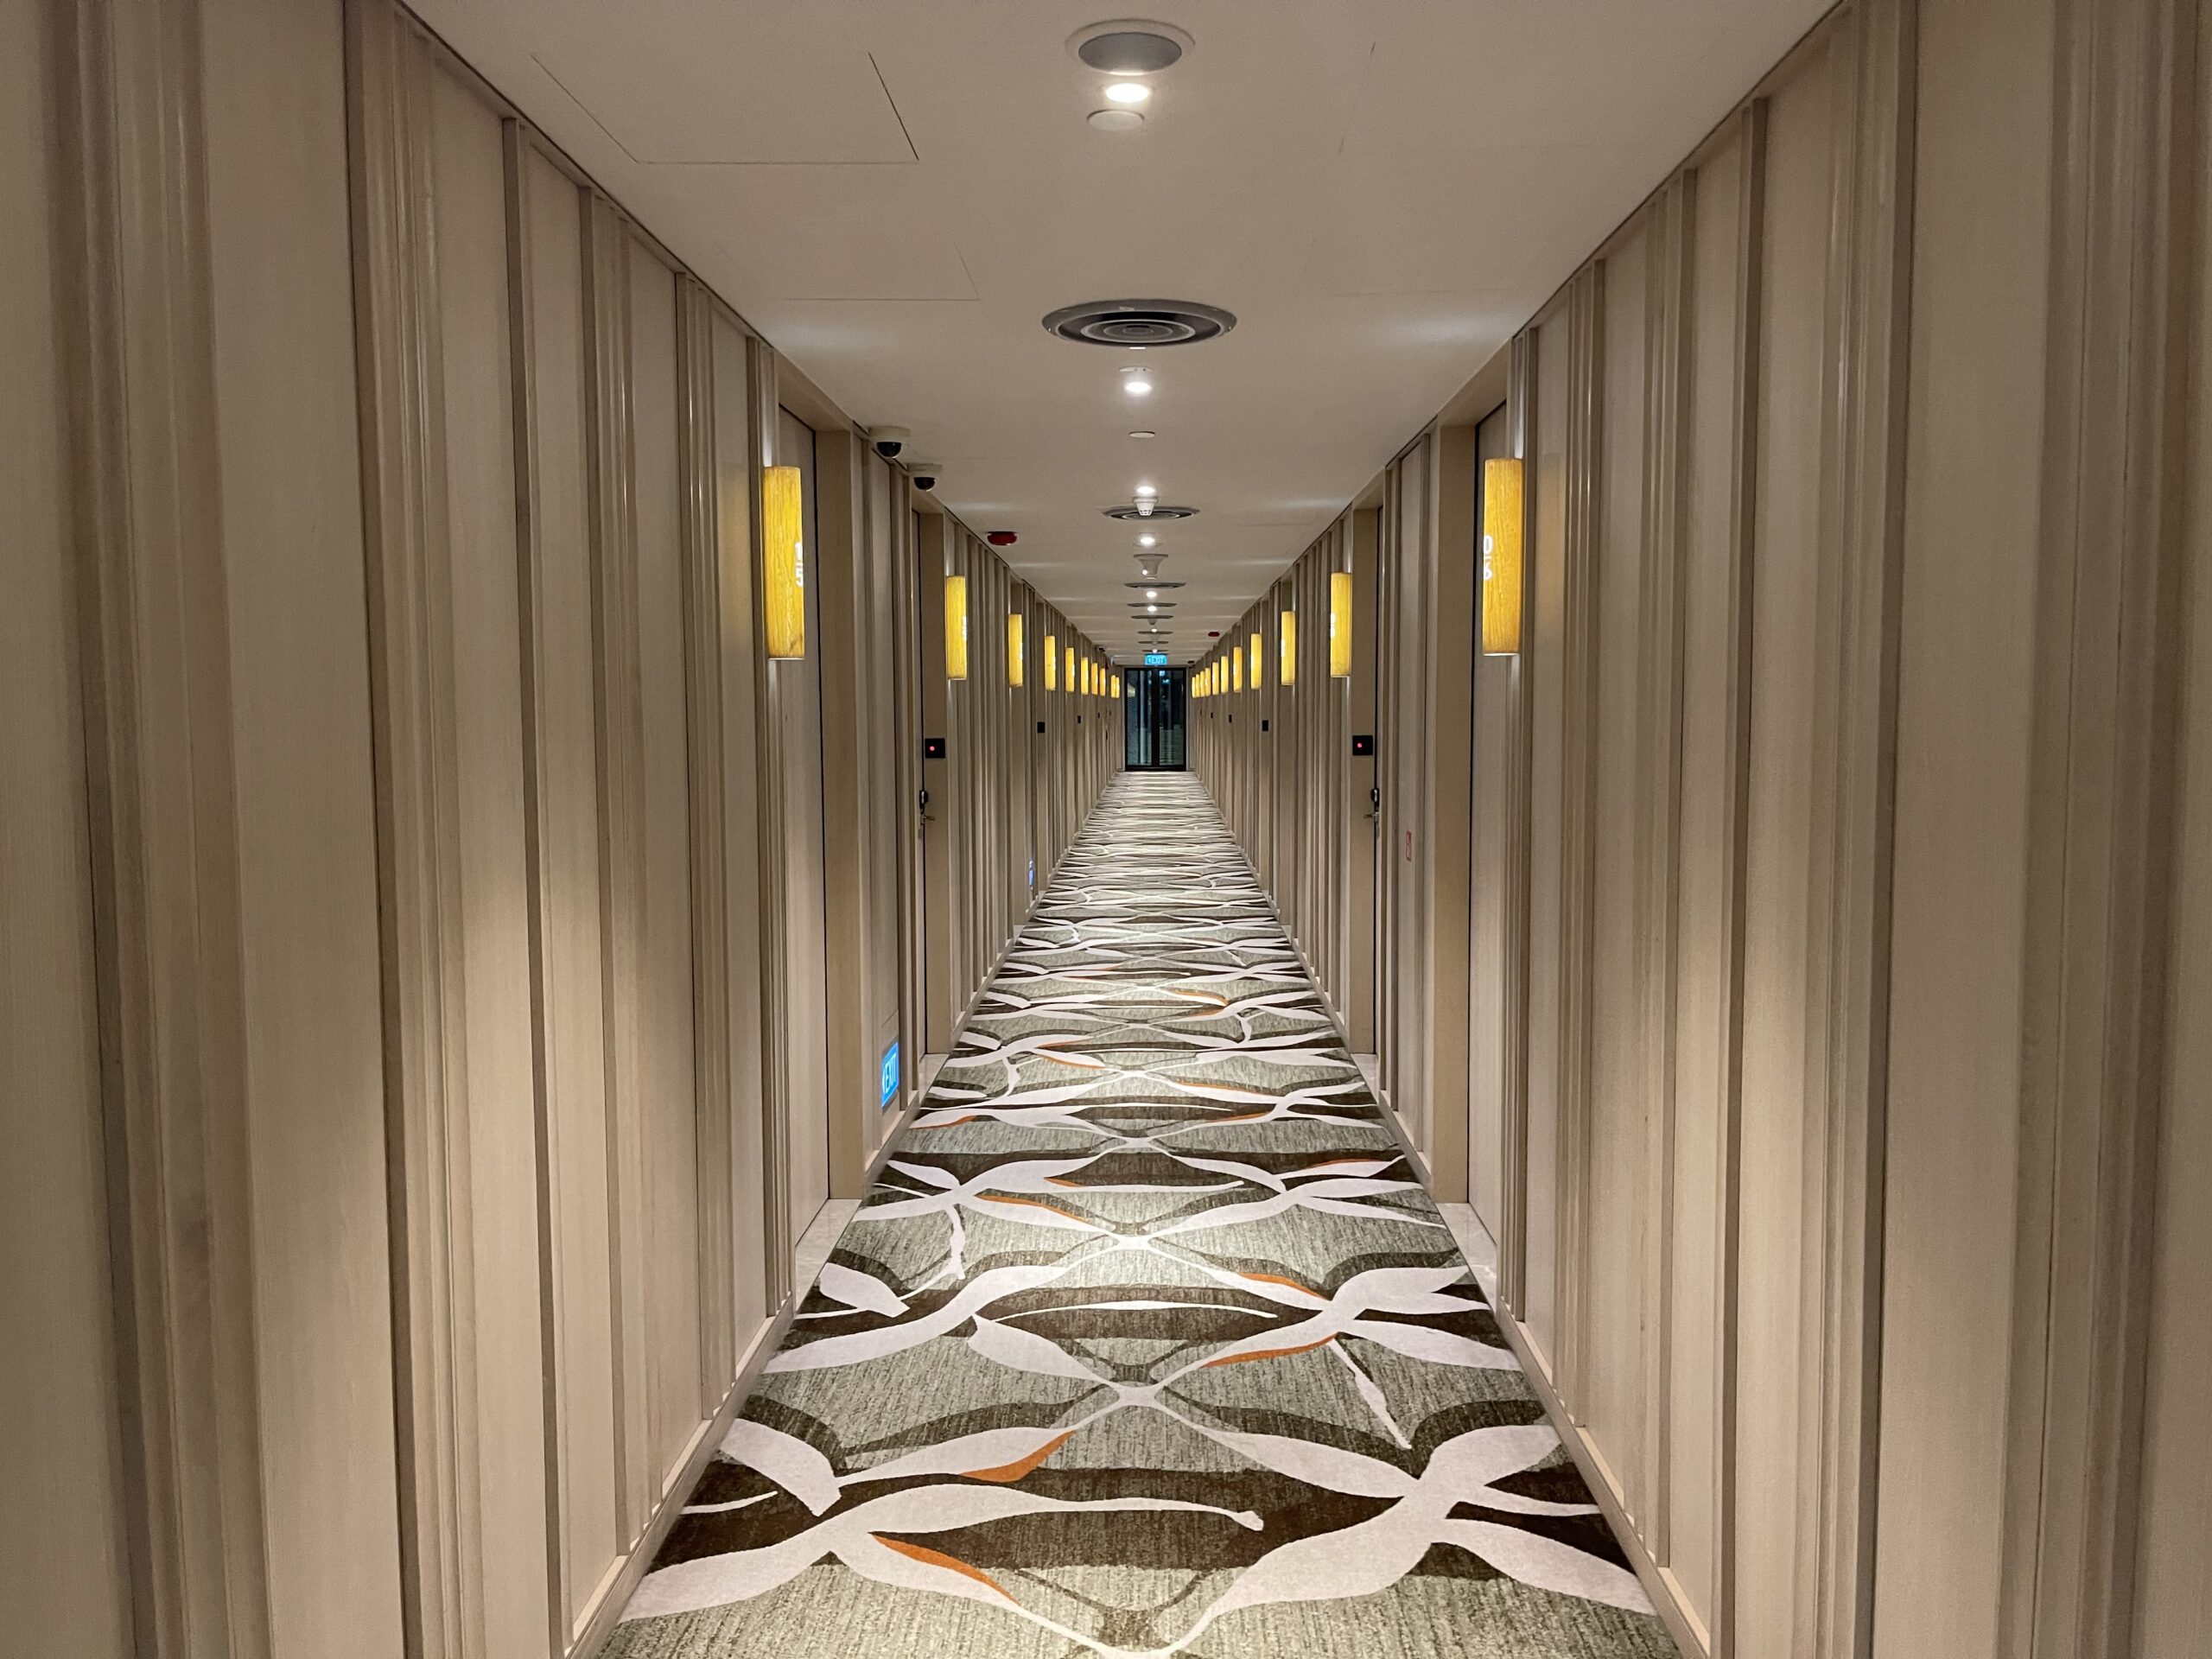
x=1051, y=664
x=1117, y=688
x=1340, y=625
x=1502, y=524
x=1287, y=670
x=1259, y=663
x=783, y=520
x=1070, y=668
x=956, y=628
x=1236, y=670
x=1014, y=648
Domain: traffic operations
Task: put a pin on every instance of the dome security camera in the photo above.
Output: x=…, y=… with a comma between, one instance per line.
x=888, y=440
x=924, y=475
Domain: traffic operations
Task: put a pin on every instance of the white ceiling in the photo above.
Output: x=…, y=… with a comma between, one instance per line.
x=895, y=191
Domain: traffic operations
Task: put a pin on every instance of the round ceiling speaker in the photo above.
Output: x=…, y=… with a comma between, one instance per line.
x=1130, y=45
x=1152, y=585
x=1151, y=324
x=1131, y=511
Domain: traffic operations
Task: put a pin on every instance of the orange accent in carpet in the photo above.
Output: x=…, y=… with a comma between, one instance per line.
x=937, y=1558
x=1020, y=1467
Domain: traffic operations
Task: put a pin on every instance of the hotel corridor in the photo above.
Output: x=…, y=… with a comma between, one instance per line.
x=1148, y=1340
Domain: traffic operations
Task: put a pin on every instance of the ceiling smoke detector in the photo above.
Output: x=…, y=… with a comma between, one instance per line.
x=1152, y=324
x=1147, y=509
x=1130, y=45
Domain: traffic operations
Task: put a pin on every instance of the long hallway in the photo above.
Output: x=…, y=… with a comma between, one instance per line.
x=1148, y=1340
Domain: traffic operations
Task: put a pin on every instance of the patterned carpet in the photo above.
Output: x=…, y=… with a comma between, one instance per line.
x=1147, y=1343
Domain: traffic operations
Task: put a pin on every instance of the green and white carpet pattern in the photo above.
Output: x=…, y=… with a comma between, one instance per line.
x=1148, y=1342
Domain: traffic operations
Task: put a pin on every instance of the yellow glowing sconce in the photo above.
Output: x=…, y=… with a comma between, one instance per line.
x=783, y=519
x=1259, y=663
x=956, y=628
x=1071, y=676
x=1014, y=648
x=1286, y=671
x=1502, y=557
x=1236, y=670
x=1116, y=685
x=1051, y=664
x=1340, y=625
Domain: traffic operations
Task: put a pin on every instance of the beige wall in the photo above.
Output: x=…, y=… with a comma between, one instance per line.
x=1833, y=956
x=400, y=923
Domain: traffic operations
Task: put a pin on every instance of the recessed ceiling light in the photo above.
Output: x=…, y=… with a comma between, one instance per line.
x=1128, y=91
x=1117, y=120
x=1152, y=592
x=1148, y=540
x=1137, y=386
x=1147, y=489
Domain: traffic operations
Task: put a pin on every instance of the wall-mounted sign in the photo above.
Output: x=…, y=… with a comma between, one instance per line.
x=1155, y=659
x=890, y=1079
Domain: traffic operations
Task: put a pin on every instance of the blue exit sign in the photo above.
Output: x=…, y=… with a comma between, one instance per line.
x=890, y=1074
x=1155, y=659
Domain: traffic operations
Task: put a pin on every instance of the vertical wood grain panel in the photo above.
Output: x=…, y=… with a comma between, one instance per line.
x=474, y=344
x=291, y=486
x=756, y=1171
x=1611, y=1353
x=1544, y=665
x=63, y=1547
x=1775, y=1155
x=668, y=1078
x=1982, y=229
x=2173, y=1597
x=135, y=335
x=1710, y=790
x=559, y=609
x=801, y=849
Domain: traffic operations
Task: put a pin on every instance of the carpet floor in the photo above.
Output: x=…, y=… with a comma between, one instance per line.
x=1147, y=1342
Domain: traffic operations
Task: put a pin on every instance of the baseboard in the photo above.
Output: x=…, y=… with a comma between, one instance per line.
x=1689, y=1633
x=606, y=1609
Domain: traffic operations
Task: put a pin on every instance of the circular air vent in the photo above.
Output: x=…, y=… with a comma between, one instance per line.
x=1132, y=511
x=1139, y=322
x=1130, y=45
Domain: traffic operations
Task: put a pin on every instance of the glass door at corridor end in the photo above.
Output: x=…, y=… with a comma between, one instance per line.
x=1154, y=718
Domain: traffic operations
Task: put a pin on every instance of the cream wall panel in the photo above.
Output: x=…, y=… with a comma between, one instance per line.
x=1607, y=1383
x=510, y=1330
x=577, y=1103
x=1543, y=645
x=1775, y=1164
x=735, y=452
x=475, y=355
x=63, y=1567
x=798, y=702
x=1965, y=704
x=281, y=267
x=667, y=1093
x=2173, y=1593
x=1705, y=988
